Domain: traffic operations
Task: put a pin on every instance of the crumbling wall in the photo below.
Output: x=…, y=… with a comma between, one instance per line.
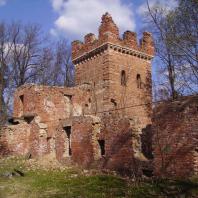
x=16, y=138
x=41, y=109
x=50, y=103
x=80, y=140
x=175, y=130
x=103, y=143
x=122, y=146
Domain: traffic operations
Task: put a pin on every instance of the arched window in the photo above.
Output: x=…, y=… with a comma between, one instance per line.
x=123, y=78
x=139, y=82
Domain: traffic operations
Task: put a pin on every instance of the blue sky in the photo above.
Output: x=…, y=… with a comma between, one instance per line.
x=54, y=15
x=75, y=18
x=34, y=11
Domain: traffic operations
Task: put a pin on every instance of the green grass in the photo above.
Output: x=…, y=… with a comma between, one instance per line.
x=73, y=183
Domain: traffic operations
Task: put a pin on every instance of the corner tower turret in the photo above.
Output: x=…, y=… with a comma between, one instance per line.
x=117, y=70
x=108, y=29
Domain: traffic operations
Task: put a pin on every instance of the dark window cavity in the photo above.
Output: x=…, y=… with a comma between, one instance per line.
x=102, y=147
x=21, y=98
x=114, y=102
x=67, y=129
x=139, y=82
x=123, y=78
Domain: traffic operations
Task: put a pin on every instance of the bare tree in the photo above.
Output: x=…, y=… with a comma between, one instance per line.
x=63, y=62
x=6, y=45
x=26, y=53
x=27, y=56
x=161, y=27
x=186, y=42
x=56, y=68
x=176, y=43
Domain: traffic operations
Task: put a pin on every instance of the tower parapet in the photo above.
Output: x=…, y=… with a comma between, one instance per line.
x=109, y=38
x=108, y=31
x=89, y=38
x=130, y=39
x=146, y=44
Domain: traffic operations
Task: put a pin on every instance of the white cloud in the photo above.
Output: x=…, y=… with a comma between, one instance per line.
x=79, y=17
x=2, y=2
x=167, y=4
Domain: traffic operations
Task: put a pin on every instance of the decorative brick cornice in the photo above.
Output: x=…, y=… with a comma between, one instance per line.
x=118, y=48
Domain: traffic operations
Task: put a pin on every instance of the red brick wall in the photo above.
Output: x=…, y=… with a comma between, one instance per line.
x=46, y=106
x=175, y=139
x=119, y=156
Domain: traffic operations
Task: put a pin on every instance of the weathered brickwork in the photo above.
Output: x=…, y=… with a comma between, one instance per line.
x=175, y=141
x=92, y=124
x=105, y=120
x=117, y=70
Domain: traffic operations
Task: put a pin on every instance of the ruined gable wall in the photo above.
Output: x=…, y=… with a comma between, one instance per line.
x=47, y=102
x=50, y=103
x=42, y=108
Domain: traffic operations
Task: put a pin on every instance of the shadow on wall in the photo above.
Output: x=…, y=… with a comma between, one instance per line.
x=3, y=149
x=146, y=140
x=119, y=154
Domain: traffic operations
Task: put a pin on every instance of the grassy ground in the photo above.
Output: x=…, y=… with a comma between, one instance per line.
x=74, y=183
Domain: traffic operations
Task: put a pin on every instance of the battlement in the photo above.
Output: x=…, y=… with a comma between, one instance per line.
x=109, y=38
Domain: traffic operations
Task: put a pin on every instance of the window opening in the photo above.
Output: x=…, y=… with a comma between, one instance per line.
x=29, y=119
x=22, y=98
x=68, y=96
x=114, y=102
x=123, y=78
x=102, y=147
x=67, y=129
x=139, y=83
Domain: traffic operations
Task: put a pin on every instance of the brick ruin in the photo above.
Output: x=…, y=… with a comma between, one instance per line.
x=175, y=138
x=102, y=122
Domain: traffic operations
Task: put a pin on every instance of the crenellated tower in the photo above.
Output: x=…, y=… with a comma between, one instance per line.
x=116, y=70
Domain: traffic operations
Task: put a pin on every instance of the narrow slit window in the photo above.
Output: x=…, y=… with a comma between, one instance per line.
x=139, y=82
x=68, y=133
x=102, y=147
x=21, y=99
x=123, y=78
